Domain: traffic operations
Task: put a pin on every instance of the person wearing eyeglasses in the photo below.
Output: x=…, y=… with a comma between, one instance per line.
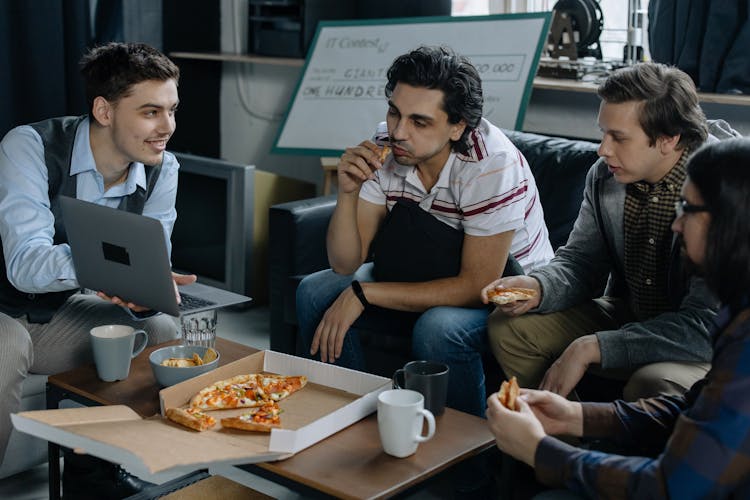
x=616, y=301
x=694, y=445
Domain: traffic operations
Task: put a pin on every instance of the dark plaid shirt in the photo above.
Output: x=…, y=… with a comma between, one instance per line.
x=649, y=212
x=701, y=440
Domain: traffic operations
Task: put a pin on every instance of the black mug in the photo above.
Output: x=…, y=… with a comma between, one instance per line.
x=430, y=378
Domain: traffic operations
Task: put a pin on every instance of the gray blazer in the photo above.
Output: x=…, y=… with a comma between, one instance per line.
x=592, y=263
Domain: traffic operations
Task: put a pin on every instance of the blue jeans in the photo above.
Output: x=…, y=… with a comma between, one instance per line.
x=456, y=336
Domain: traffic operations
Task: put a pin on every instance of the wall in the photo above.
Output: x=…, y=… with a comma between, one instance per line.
x=267, y=91
x=254, y=98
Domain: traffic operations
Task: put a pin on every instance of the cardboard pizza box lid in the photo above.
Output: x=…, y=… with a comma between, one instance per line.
x=157, y=449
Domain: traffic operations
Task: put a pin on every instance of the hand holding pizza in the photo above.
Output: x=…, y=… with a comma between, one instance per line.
x=517, y=433
x=526, y=295
x=358, y=164
x=557, y=415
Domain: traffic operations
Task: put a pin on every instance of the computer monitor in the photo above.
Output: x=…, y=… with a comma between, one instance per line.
x=212, y=236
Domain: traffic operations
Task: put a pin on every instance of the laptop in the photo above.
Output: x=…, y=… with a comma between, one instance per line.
x=125, y=255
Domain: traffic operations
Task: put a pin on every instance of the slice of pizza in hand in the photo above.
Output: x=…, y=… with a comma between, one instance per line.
x=191, y=418
x=507, y=295
x=384, y=152
x=260, y=419
x=508, y=394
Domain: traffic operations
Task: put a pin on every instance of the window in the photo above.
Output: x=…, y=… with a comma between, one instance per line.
x=613, y=38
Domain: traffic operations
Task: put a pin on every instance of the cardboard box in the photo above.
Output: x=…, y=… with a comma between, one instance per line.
x=157, y=449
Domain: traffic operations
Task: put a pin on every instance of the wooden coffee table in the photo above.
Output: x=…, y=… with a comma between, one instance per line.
x=349, y=464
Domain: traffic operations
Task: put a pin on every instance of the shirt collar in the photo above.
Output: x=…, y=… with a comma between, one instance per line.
x=83, y=160
x=674, y=178
x=410, y=173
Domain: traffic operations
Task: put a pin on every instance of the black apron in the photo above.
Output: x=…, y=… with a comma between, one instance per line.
x=414, y=246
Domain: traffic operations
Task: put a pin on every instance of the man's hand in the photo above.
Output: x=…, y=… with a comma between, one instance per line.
x=518, y=307
x=182, y=279
x=329, y=336
x=557, y=415
x=357, y=165
x=177, y=279
x=569, y=368
x=517, y=433
x=119, y=302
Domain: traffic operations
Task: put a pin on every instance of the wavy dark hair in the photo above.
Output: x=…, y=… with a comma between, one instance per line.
x=442, y=69
x=670, y=102
x=111, y=70
x=721, y=173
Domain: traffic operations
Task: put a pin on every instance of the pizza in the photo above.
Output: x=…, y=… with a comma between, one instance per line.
x=260, y=419
x=191, y=417
x=247, y=391
x=384, y=152
x=508, y=393
x=507, y=295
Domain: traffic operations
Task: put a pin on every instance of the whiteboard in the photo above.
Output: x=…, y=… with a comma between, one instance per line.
x=340, y=97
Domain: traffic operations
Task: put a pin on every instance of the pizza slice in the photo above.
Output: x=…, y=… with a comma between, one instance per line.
x=508, y=393
x=247, y=391
x=260, y=419
x=191, y=418
x=384, y=152
x=278, y=387
x=241, y=391
x=507, y=295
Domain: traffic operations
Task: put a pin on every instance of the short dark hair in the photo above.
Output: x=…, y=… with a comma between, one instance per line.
x=442, y=69
x=111, y=70
x=721, y=173
x=670, y=102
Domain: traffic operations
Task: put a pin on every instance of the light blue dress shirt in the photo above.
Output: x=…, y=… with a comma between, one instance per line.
x=34, y=263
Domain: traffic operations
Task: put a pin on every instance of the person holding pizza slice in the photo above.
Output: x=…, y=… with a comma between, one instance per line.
x=694, y=445
x=649, y=331
x=441, y=215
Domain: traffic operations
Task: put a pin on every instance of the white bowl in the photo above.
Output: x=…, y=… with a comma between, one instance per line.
x=170, y=375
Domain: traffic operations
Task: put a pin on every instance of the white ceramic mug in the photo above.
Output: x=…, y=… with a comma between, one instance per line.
x=400, y=416
x=114, y=347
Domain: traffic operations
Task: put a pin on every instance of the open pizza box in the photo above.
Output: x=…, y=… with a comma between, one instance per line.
x=157, y=449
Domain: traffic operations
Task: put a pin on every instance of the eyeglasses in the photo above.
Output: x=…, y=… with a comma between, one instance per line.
x=682, y=207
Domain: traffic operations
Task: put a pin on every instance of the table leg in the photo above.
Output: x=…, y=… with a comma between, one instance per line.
x=53, y=466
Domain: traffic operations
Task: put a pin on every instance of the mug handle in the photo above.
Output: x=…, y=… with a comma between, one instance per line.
x=396, y=374
x=430, y=426
x=140, y=347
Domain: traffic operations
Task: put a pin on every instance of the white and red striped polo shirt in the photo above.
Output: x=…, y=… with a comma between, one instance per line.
x=488, y=191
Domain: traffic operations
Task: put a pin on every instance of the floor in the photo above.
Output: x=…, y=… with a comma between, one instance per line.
x=251, y=327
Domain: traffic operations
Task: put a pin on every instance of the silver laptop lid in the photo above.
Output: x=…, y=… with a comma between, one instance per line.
x=125, y=255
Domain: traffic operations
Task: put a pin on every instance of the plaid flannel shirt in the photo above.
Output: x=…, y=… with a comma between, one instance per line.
x=701, y=440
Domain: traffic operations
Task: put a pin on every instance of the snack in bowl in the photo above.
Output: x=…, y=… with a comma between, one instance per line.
x=259, y=419
x=507, y=295
x=508, y=393
x=183, y=364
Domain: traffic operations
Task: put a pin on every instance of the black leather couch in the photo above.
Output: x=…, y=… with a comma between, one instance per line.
x=298, y=231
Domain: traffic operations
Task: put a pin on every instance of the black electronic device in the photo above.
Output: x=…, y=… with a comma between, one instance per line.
x=284, y=28
x=213, y=234
x=587, y=21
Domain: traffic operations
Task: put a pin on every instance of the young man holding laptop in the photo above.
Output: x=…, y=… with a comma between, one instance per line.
x=114, y=156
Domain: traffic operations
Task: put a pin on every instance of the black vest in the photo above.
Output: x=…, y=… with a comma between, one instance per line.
x=58, y=136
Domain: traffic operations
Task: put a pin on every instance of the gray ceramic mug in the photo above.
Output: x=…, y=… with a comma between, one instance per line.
x=114, y=346
x=430, y=378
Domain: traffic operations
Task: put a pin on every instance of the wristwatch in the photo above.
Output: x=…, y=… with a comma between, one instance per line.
x=360, y=293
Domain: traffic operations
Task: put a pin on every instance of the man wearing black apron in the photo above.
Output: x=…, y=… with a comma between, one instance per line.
x=439, y=216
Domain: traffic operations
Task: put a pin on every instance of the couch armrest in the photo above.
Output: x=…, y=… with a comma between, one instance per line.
x=296, y=246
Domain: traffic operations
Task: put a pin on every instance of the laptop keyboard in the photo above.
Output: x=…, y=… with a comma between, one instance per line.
x=189, y=302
